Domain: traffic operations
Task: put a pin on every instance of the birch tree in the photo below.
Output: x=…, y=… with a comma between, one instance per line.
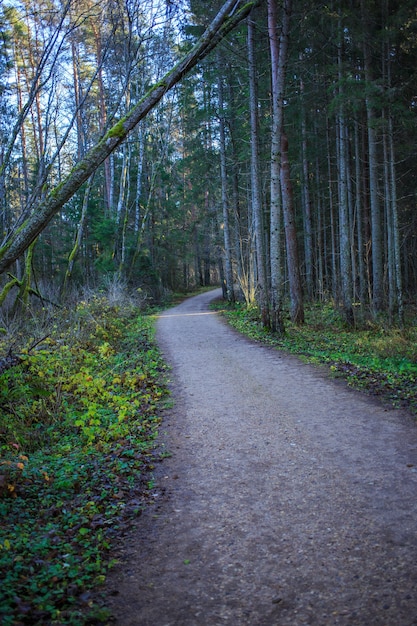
x=231, y=13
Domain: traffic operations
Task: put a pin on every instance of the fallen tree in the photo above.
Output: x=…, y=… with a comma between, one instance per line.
x=17, y=242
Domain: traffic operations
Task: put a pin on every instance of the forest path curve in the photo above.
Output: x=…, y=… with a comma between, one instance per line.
x=289, y=499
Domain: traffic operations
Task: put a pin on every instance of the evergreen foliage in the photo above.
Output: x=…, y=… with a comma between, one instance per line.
x=154, y=212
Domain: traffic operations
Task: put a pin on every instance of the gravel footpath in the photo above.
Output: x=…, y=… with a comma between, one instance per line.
x=288, y=500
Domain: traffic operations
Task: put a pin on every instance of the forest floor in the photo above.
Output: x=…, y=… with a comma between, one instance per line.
x=288, y=498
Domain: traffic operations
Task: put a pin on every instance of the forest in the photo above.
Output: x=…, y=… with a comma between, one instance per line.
x=282, y=165
x=151, y=148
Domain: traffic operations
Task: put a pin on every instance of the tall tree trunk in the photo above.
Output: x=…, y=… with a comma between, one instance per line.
x=108, y=177
x=395, y=223
x=306, y=202
x=394, y=251
x=126, y=215
x=335, y=281
x=376, y=214
x=344, y=225
x=139, y=171
x=293, y=262
x=359, y=217
x=389, y=244
x=78, y=98
x=223, y=176
x=279, y=58
x=240, y=234
x=262, y=286
x=321, y=245
x=122, y=208
x=23, y=141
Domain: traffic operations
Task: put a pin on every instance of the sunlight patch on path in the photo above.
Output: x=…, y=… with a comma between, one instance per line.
x=187, y=314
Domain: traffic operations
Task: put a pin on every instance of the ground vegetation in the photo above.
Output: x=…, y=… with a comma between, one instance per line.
x=80, y=415
x=375, y=358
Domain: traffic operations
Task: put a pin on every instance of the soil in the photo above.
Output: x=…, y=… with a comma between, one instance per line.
x=289, y=499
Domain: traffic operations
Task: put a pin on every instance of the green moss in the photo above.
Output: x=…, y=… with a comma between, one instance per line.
x=118, y=130
x=55, y=191
x=7, y=245
x=13, y=283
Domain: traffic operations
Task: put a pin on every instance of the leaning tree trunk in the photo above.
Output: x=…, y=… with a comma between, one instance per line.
x=79, y=236
x=25, y=288
x=232, y=12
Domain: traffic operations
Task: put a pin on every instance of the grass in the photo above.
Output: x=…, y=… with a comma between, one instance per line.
x=375, y=358
x=78, y=424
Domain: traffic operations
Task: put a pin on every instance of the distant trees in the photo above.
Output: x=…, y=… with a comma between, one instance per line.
x=117, y=56
x=347, y=66
x=282, y=165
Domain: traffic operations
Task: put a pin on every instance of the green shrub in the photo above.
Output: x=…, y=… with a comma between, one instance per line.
x=78, y=422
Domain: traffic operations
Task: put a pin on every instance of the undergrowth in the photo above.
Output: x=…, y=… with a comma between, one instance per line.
x=375, y=358
x=78, y=421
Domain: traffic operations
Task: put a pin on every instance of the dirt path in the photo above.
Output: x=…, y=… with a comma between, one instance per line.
x=289, y=499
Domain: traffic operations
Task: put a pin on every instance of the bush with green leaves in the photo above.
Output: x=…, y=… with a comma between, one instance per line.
x=78, y=423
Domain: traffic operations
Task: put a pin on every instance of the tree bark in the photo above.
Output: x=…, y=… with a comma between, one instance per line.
x=262, y=286
x=225, y=204
x=376, y=214
x=344, y=225
x=279, y=58
x=293, y=263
